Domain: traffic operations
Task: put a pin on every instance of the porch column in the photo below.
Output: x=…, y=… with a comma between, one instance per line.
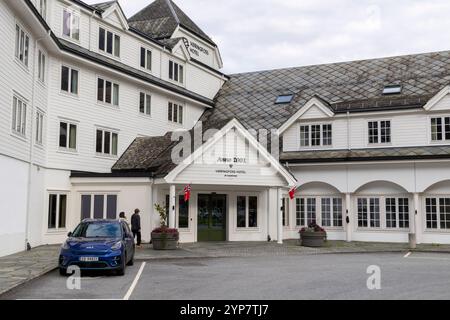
x=416, y=220
x=172, y=207
x=279, y=217
x=348, y=217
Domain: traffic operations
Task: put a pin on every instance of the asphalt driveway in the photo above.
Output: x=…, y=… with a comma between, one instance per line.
x=330, y=276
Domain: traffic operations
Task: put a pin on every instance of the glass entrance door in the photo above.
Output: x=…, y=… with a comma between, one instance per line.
x=212, y=217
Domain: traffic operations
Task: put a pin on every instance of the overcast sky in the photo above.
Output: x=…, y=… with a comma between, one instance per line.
x=268, y=34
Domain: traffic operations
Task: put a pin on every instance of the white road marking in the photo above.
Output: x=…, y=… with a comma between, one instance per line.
x=430, y=258
x=407, y=255
x=135, y=282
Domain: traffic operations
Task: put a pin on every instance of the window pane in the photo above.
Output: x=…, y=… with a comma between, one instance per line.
x=17, y=41
x=326, y=212
x=149, y=105
x=175, y=71
x=52, y=203
x=170, y=70
x=169, y=109
x=111, y=207
x=99, y=141
x=101, y=39
x=374, y=213
x=85, y=207
x=66, y=23
x=385, y=131
x=403, y=212
x=373, y=132
x=327, y=135
x=65, y=79
x=100, y=89
x=73, y=137
x=175, y=113
x=252, y=212
x=14, y=114
x=74, y=82
x=115, y=139
x=315, y=135
x=143, y=57
x=304, y=136
x=76, y=27
x=183, y=213
x=63, y=135
x=149, y=60
x=106, y=145
x=362, y=213
x=27, y=45
x=181, y=75
x=98, y=206
x=431, y=213
x=311, y=210
x=108, y=92
x=142, y=103
x=447, y=128
x=24, y=118
x=391, y=213
x=109, y=42
x=180, y=115
x=62, y=211
x=436, y=129
x=241, y=211
x=444, y=212
x=116, y=95
x=117, y=46
x=300, y=212
x=337, y=212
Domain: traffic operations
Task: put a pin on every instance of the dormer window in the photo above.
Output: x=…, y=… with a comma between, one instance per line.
x=394, y=89
x=176, y=72
x=71, y=25
x=284, y=99
x=316, y=135
x=109, y=42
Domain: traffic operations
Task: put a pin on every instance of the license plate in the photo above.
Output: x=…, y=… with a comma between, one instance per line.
x=88, y=259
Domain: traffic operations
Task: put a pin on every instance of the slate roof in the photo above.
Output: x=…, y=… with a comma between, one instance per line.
x=376, y=154
x=160, y=19
x=154, y=154
x=347, y=86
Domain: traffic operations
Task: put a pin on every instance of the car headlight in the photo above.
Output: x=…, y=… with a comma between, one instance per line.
x=65, y=246
x=117, y=246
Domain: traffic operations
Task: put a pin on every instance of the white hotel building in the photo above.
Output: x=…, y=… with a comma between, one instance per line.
x=93, y=105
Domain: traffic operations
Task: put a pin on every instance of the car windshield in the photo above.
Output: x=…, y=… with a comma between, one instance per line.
x=97, y=230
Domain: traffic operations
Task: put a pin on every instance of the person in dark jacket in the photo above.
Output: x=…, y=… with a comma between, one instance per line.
x=136, y=226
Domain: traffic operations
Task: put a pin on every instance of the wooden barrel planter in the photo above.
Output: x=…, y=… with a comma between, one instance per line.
x=165, y=239
x=312, y=239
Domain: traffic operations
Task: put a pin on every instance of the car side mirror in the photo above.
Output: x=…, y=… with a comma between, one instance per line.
x=69, y=234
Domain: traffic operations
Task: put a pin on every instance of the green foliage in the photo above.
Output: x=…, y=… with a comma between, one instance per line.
x=162, y=215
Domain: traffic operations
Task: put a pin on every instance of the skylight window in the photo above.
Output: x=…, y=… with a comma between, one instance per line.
x=395, y=89
x=284, y=99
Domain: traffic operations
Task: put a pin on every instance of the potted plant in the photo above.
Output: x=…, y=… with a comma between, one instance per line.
x=313, y=236
x=164, y=238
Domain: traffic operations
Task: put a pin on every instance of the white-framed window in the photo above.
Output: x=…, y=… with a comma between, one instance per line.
x=437, y=213
x=379, y=132
x=39, y=139
x=19, y=116
x=99, y=206
x=57, y=211
x=108, y=42
x=440, y=128
x=176, y=72
x=69, y=80
x=331, y=211
x=247, y=211
x=41, y=5
x=108, y=92
x=397, y=213
x=145, y=104
x=68, y=135
x=305, y=211
x=41, y=66
x=22, y=45
x=175, y=113
x=316, y=135
x=106, y=142
x=71, y=24
x=327, y=208
x=285, y=221
x=146, y=59
x=369, y=212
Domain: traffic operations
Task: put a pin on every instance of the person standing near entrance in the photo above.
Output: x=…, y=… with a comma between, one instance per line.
x=136, y=226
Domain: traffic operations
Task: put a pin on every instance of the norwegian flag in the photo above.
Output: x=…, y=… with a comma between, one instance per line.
x=292, y=193
x=187, y=193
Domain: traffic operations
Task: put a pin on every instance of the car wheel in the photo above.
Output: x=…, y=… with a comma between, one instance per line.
x=131, y=262
x=121, y=270
x=63, y=272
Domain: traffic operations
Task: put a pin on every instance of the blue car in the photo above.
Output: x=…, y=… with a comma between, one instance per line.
x=98, y=245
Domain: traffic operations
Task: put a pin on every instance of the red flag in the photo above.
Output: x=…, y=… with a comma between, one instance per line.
x=187, y=193
x=292, y=193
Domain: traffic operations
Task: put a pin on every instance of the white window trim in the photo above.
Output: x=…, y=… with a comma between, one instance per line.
x=42, y=69
x=311, y=147
x=319, y=217
x=22, y=64
x=114, y=33
x=438, y=218
x=180, y=65
x=69, y=92
x=247, y=208
x=379, y=143
x=146, y=61
x=39, y=139
x=178, y=113
x=73, y=13
x=67, y=149
x=105, y=195
x=23, y=124
x=102, y=154
x=58, y=194
x=145, y=114
x=104, y=103
x=430, y=133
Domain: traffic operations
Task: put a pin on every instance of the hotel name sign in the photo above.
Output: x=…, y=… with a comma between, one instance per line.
x=196, y=49
x=231, y=173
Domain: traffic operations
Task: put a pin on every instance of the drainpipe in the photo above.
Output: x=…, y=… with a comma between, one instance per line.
x=31, y=149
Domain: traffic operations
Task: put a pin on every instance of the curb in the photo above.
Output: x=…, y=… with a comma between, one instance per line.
x=24, y=281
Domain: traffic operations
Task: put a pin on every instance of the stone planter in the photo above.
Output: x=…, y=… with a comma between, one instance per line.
x=312, y=239
x=165, y=241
